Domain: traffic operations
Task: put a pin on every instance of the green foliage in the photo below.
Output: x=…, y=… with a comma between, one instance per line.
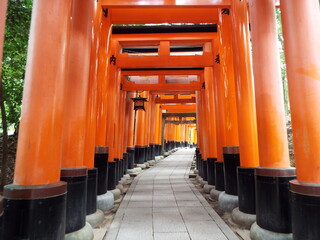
x=14, y=56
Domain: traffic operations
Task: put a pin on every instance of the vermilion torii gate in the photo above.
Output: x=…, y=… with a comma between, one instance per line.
x=77, y=117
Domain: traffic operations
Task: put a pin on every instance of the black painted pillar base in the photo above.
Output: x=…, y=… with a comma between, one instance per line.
x=125, y=163
x=272, y=198
x=219, y=176
x=116, y=160
x=92, y=191
x=140, y=154
x=76, y=179
x=197, y=158
x=130, y=151
x=149, y=153
x=34, y=212
x=305, y=209
x=101, y=163
x=153, y=151
x=157, y=151
x=210, y=171
x=120, y=174
x=160, y=150
x=200, y=166
x=231, y=159
x=112, y=181
x=205, y=170
x=246, y=190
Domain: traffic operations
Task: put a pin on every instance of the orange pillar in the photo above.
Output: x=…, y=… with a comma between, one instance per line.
x=48, y=44
x=130, y=129
x=273, y=144
x=248, y=138
x=89, y=146
x=301, y=31
x=140, y=131
x=227, y=82
x=272, y=132
x=158, y=130
x=112, y=99
x=38, y=160
x=211, y=118
x=74, y=122
x=219, y=104
x=102, y=77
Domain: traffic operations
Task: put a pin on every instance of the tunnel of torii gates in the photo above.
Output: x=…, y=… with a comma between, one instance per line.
x=214, y=82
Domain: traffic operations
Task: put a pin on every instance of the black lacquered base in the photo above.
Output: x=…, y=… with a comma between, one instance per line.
x=231, y=159
x=210, y=171
x=140, y=154
x=272, y=199
x=125, y=163
x=205, y=170
x=34, y=212
x=92, y=191
x=219, y=175
x=200, y=166
x=246, y=190
x=305, y=209
x=101, y=163
x=76, y=179
x=153, y=151
x=120, y=173
x=130, y=151
x=116, y=160
x=112, y=181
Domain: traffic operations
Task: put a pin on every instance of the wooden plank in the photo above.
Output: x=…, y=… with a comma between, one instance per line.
x=166, y=3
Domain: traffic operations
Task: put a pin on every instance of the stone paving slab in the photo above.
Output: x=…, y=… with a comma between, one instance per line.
x=162, y=204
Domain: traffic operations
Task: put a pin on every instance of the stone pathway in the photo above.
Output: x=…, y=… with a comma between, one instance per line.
x=162, y=204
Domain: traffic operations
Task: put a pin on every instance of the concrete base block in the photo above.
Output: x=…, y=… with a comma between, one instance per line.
x=166, y=154
x=214, y=194
x=105, y=201
x=198, y=178
x=120, y=187
x=130, y=171
x=147, y=164
x=202, y=183
x=244, y=220
x=85, y=233
x=116, y=194
x=207, y=188
x=152, y=162
x=227, y=202
x=258, y=233
x=95, y=219
x=142, y=166
x=157, y=158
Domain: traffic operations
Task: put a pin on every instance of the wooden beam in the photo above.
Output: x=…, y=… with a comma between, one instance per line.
x=153, y=39
x=164, y=101
x=163, y=15
x=125, y=61
x=181, y=122
x=179, y=114
x=127, y=86
x=165, y=3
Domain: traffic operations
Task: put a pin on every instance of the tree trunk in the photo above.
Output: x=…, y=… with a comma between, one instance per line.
x=4, y=141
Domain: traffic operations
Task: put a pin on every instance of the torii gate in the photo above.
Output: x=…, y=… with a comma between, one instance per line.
x=76, y=112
